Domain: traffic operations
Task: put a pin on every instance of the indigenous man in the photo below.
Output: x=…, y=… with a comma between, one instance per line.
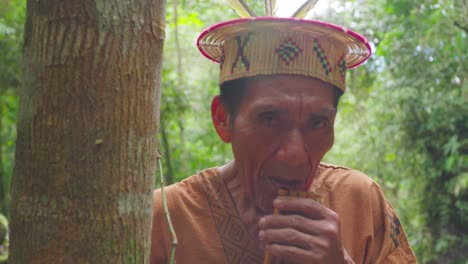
x=280, y=82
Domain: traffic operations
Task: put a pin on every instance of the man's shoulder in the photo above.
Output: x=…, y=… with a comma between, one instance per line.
x=337, y=175
x=188, y=187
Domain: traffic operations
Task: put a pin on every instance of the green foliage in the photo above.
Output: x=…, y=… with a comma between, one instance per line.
x=12, y=16
x=409, y=122
x=8, y=110
x=4, y=240
x=187, y=142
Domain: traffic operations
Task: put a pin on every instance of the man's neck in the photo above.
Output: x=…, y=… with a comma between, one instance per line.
x=245, y=207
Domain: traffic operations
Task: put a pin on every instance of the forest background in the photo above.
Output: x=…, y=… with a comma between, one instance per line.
x=403, y=119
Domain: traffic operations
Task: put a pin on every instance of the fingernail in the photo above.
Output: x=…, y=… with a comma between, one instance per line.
x=261, y=234
x=261, y=222
x=277, y=202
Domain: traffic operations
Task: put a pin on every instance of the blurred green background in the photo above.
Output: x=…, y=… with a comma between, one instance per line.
x=403, y=120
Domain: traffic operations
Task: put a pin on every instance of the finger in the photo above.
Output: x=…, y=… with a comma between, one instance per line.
x=297, y=222
x=305, y=207
x=299, y=255
x=286, y=236
x=324, y=228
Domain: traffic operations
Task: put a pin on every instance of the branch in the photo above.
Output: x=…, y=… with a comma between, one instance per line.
x=460, y=26
x=166, y=212
x=167, y=152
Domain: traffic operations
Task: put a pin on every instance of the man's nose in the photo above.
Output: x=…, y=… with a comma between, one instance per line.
x=293, y=149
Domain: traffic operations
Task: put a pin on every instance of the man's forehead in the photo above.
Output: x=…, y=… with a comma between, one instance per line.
x=291, y=100
x=283, y=105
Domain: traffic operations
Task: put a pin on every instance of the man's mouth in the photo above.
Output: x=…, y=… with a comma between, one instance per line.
x=285, y=184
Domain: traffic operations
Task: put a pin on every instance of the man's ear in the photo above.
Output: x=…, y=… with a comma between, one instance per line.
x=221, y=119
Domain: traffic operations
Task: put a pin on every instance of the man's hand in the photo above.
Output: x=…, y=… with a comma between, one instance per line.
x=304, y=232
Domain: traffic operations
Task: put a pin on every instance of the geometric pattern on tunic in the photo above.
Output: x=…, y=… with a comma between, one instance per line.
x=395, y=228
x=237, y=244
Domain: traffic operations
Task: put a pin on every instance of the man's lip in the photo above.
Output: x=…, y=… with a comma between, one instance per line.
x=285, y=184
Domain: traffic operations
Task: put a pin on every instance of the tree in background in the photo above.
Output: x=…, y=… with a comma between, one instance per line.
x=86, y=146
x=188, y=143
x=427, y=78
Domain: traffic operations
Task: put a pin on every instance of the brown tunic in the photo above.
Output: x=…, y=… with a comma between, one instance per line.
x=209, y=228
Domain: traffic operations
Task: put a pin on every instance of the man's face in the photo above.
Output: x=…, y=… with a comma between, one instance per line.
x=283, y=129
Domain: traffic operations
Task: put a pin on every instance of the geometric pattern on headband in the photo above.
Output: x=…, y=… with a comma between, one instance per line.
x=242, y=45
x=221, y=60
x=342, y=66
x=288, y=51
x=322, y=57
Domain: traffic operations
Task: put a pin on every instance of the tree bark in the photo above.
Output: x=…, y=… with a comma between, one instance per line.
x=87, y=145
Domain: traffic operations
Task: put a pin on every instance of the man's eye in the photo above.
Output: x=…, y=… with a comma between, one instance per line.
x=317, y=123
x=269, y=118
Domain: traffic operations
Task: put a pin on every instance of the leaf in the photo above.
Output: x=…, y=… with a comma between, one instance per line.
x=305, y=8
x=270, y=7
x=241, y=8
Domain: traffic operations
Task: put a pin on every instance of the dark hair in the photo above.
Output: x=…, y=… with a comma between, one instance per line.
x=232, y=92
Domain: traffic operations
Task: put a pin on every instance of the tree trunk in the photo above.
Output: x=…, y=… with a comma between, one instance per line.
x=87, y=146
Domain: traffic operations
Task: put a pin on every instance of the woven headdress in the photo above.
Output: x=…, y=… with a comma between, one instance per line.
x=268, y=45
